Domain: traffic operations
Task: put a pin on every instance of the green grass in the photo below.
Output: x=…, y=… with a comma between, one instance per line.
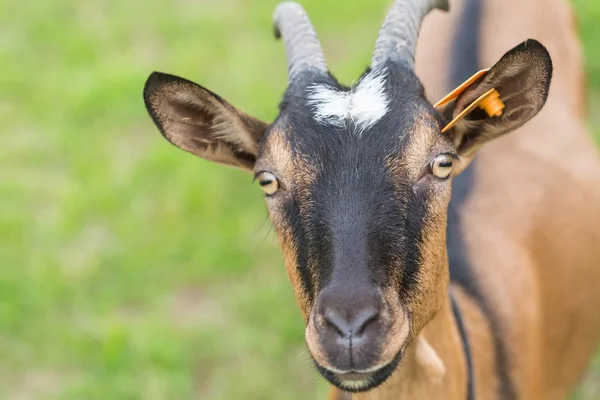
x=130, y=270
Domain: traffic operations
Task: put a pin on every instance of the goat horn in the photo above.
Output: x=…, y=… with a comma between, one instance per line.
x=397, y=39
x=302, y=46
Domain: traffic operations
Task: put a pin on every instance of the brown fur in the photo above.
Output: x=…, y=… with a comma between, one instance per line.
x=534, y=248
x=479, y=332
x=278, y=157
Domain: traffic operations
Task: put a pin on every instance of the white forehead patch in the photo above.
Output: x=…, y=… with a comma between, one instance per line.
x=363, y=105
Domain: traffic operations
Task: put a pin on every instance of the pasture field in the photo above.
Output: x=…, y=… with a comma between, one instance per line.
x=129, y=269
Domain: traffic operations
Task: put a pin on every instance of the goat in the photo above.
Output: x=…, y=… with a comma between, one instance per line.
x=412, y=263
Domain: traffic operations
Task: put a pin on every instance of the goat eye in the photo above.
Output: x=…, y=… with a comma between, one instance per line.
x=441, y=166
x=268, y=182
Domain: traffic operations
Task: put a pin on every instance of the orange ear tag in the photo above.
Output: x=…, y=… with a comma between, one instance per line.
x=490, y=101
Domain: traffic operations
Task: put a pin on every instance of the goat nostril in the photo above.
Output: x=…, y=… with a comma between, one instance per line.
x=350, y=323
x=337, y=322
x=363, y=319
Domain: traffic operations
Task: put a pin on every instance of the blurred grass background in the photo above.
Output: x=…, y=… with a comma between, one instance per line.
x=128, y=269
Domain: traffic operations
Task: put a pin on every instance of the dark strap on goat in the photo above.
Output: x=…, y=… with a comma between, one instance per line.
x=465, y=341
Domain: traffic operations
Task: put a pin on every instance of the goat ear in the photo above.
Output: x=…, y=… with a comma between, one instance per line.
x=522, y=77
x=199, y=121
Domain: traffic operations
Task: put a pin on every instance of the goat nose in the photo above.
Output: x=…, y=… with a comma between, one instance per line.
x=349, y=323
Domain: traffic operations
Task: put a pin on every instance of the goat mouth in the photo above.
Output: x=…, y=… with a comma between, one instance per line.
x=360, y=381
